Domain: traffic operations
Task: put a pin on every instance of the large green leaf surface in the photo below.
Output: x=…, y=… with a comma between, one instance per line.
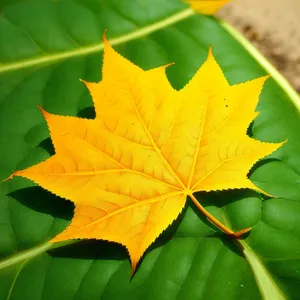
x=45, y=47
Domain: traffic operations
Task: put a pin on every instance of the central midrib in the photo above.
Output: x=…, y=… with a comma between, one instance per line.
x=143, y=31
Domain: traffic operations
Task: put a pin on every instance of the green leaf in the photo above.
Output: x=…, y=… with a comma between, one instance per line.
x=45, y=47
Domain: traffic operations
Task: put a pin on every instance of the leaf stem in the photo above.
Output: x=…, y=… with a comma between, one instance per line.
x=212, y=219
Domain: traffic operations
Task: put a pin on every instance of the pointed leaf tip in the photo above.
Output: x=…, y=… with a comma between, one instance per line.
x=264, y=78
x=168, y=65
x=107, y=46
x=44, y=112
x=133, y=268
x=210, y=51
x=105, y=40
x=9, y=177
x=86, y=83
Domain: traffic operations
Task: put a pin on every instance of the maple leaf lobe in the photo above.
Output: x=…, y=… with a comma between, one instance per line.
x=129, y=170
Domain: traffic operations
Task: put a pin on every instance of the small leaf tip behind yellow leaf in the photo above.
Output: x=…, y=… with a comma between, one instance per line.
x=207, y=7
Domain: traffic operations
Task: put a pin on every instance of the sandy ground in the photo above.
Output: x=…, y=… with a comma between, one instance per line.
x=274, y=27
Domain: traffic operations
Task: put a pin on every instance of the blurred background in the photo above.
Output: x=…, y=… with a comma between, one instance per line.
x=274, y=28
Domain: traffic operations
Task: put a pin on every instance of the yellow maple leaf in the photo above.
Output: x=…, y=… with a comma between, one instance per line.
x=207, y=7
x=130, y=169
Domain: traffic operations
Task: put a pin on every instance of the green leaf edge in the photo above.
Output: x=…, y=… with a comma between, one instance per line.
x=268, y=287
